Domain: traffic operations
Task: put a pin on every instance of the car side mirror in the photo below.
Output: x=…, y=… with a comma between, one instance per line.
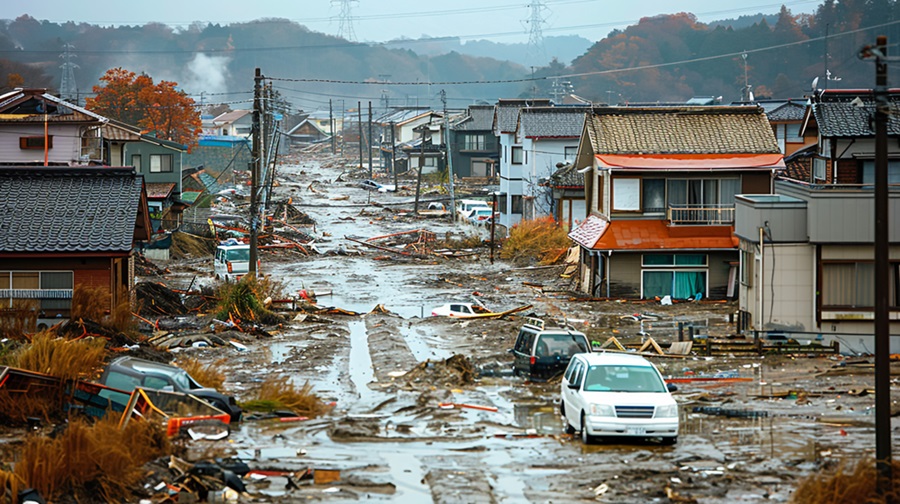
x=573, y=386
x=671, y=387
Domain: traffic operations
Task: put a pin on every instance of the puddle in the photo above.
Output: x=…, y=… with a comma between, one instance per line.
x=423, y=347
x=540, y=418
x=505, y=481
x=361, y=373
x=407, y=475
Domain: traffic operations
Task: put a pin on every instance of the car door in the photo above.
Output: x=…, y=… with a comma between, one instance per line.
x=572, y=396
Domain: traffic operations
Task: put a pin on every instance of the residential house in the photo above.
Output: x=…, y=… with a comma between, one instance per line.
x=660, y=190
x=568, y=195
x=37, y=128
x=237, y=123
x=512, y=157
x=67, y=227
x=399, y=133
x=807, y=254
x=307, y=131
x=548, y=136
x=474, y=150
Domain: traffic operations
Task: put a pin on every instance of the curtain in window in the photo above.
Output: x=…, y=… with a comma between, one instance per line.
x=677, y=192
x=688, y=284
x=657, y=283
x=730, y=187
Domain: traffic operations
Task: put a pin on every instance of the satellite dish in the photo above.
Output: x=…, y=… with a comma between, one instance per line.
x=815, y=83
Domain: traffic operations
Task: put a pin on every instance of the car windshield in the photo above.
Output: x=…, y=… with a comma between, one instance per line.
x=606, y=378
x=560, y=345
x=182, y=379
x=238, y=255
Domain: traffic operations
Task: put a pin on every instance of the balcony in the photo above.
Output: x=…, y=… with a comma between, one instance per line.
x=700, y=214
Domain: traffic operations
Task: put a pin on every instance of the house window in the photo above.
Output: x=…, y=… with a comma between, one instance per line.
x=626, y=194
x=819, y=165
x=48, y=291
x=654, y=195
x=474, y=142
x=35, y=142
x=571, y=153
x=518, y=155
x=852, y=284
x=793, y=133
x=673, y=260
x=868, y=172
x=747, y=260
x=136, y=162
x=516, y=201
x=160, y=163
x=678, y=284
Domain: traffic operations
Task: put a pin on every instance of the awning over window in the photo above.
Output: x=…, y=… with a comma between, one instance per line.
x=691, y=162
x=597, y=233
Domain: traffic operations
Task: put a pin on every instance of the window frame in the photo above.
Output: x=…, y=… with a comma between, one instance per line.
x=160, y=157
x=35, y=142
x=512, y=156
x=616, y=188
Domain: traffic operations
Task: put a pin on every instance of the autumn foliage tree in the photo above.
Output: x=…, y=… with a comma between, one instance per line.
x=160, y=109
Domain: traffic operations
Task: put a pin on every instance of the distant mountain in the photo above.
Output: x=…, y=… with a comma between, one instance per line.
x=564, y=48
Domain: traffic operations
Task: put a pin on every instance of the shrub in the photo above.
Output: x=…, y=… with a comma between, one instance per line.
x=279, y=393
x=209, y=375
x=843, y=487
x=89, y=303
x=541, y=239
x=65, y=359
x=244, y=300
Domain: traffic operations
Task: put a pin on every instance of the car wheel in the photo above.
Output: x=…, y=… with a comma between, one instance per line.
x=669, y=441
x=562, y=411
x=585, y=437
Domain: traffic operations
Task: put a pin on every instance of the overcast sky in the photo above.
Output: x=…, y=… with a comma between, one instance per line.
x=371, y=20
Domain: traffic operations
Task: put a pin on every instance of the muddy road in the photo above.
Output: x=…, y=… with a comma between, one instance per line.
x=391, y=435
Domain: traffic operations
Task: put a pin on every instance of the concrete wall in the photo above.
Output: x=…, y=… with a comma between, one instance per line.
x=216, y=159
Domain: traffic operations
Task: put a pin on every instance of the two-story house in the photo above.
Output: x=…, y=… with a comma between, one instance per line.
x=660, y=190
x=38, y=128
x=807, y=255
x=234, y=123
x=548, y=136
x=512, y=156
x=474, y=149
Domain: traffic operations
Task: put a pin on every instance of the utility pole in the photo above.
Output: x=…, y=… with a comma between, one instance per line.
x=369, y=140
x=359, y=130
x=493, y=224
x=254, y=173
x=449, y=156
x=331, y=125
x=421, y=165
x=393, y=155
x=882, y=273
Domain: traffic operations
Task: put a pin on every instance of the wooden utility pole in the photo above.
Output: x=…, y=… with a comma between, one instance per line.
x=393, y=156
x=369, y=140
x=883, y=433
x=421, y=165
x=493, y=224
x=449, y=157
x=254, y=172
x=331, y=125
x=359, y=130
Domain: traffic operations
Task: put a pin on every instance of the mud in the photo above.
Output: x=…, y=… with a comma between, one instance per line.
x=393, y=437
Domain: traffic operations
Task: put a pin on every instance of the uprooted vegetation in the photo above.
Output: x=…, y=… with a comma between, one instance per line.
x=87, y=461
x=278, y=393
x=542, y=240
x=209, y=375
x=246, y=300
x=843, y=486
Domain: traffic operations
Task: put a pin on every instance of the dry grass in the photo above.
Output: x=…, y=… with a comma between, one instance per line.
x=65, y=359
x=91, y=462
x=858, y=486
x=19, y=319
x=10, y=483
x=89, y=303
x=244, y=300
x=469, y=241
x=122, y=318
x=185, y=245
x=209, y=375
x=540, y=239
x=16, y=408
x=279, y=393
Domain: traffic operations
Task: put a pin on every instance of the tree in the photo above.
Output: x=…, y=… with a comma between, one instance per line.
x=161, y=109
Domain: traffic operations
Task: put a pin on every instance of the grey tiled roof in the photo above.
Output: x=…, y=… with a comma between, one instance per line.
x=681, y=130
x=567, y=176
x=68, y=209
x=555, y=122
x=837, y=117
x=507, y=113
x=478, y=118
x=787, y=111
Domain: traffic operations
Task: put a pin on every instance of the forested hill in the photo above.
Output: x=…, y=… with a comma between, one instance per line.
x=668, y=58
x=682, y=58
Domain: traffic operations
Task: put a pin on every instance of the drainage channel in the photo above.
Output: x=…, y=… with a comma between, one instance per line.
x=360, y=367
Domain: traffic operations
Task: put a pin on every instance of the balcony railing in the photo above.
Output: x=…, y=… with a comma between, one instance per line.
x=701, y=214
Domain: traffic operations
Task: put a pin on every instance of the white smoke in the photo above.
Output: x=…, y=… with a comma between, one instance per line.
x=206, y=74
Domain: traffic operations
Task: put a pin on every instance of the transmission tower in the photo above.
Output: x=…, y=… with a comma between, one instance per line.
x=536, y=53
x=68, y=90
x=345, y=19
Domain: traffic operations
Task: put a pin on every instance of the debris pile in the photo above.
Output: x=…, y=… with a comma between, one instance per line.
x=454, y=371
x=157, y=299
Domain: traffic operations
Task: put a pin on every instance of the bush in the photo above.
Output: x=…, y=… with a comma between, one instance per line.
x=279, y=393
x=209, y=375
x=542, y=239
x=65, y=359
x=842, y=487
x=244, y=300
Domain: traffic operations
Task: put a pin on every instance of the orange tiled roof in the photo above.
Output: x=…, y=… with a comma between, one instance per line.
x=650, y=235
x=159, y=190
x=692, y=161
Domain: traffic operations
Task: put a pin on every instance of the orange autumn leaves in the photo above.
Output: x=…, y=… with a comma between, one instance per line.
x=159, y=109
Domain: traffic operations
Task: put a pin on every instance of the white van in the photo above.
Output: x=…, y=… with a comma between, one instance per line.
x=465, y=208
x=232, y=260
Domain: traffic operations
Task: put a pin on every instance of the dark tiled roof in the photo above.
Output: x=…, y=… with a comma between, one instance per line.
x=68, y=209
x=555, y=122
x=798, y=165
x=567, y=176
x=506, y=113
x=478, y=118
x=681, y=130
x=836, y=116
x=788, y=111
